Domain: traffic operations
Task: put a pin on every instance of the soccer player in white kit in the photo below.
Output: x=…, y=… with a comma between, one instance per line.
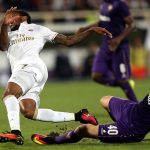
x=23, y=43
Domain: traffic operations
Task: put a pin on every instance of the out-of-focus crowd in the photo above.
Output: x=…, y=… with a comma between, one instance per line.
x=55, y=5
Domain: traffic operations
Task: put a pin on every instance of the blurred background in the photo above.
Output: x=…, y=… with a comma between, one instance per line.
x=67, y=16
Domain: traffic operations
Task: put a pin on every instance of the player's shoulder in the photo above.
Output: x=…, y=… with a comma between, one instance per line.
x=35, y=26
x=122, y=2
x=39, y=27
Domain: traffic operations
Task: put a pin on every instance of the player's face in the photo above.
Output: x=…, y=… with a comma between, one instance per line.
x=16, y=23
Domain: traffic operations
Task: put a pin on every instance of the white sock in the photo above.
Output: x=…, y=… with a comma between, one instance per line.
x=13, y=111
x=54, y=116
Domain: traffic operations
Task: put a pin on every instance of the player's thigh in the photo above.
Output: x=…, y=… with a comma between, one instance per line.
x=25, y=80
x=12, y=89
x=121, y=63
x=104, y=101
x=113, y=133
x=117, y=106
x=100, y=63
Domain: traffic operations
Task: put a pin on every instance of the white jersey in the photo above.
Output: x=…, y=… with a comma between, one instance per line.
x=26, y=44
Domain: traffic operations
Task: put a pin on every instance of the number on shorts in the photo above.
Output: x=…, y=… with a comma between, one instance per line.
x=112, y=130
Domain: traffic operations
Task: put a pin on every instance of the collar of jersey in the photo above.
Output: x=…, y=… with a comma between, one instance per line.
x=22, y=25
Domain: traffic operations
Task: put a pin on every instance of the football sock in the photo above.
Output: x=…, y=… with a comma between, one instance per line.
x=70, y=137
x=124, y=85
x=54, y=116
x=13, y=111
x=128, y=91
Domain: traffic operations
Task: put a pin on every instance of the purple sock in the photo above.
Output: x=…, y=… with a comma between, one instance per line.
x=70, y=137
x=129, y=91
x=124, y=85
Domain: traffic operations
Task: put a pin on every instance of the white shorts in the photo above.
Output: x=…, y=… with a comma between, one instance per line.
x=31, y=78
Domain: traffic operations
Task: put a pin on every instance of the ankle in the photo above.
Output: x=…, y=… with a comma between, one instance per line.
x=17, y=132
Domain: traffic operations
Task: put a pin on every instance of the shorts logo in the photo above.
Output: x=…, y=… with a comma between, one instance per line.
x=123, y=70
x=103, y=131
x=149, y=99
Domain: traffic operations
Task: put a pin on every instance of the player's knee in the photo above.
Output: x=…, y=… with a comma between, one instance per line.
x=28, y=113
x=83, y=129
x=121, y=82
x=12, y=89
x=104, y=101
x=28, y=108
x=96, y=77
x=9, y=92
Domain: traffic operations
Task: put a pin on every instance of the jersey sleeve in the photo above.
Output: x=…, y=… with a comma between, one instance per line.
x=124, y=9
x=48, y=34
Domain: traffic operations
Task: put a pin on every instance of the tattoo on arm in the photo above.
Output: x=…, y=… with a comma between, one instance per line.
x=72, y=40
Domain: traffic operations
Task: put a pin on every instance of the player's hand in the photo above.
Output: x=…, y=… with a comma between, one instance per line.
x=114, y=43
x=10, y=18
x=101, y=31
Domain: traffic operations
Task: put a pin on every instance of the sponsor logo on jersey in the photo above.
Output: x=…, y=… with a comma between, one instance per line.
x=20, y=38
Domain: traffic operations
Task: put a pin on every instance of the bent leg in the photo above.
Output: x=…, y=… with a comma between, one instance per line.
x=83, y=131
x=101, y=69
x=50, y=115
x=104, y=101
x=115, y=106
x=122, y=71
x=104, y=79
x=29, y=104
x=10, y=97
x=28, y=108
x=128, y=90
x=19, y=83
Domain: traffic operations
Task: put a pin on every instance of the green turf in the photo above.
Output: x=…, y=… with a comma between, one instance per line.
x=72, y=96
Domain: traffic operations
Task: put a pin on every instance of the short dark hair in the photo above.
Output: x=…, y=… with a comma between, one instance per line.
x=24, y=13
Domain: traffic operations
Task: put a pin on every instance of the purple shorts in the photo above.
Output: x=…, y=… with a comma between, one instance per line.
x=122, y=130
x=115, y=64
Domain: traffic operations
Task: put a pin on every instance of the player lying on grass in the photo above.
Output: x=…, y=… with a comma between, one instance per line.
x=23, y=41
x=131, y=124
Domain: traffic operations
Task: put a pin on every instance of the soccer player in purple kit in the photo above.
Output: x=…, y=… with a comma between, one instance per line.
x=112, y=63
x=131, y=124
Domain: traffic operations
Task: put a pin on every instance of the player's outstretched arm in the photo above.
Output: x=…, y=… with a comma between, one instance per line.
x=82, y=29
x=77, y=38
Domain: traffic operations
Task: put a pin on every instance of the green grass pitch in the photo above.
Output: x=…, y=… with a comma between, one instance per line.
x=72, y=96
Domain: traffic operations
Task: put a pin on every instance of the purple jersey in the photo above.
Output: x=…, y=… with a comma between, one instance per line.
x=132, y=121
x=112, y=14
